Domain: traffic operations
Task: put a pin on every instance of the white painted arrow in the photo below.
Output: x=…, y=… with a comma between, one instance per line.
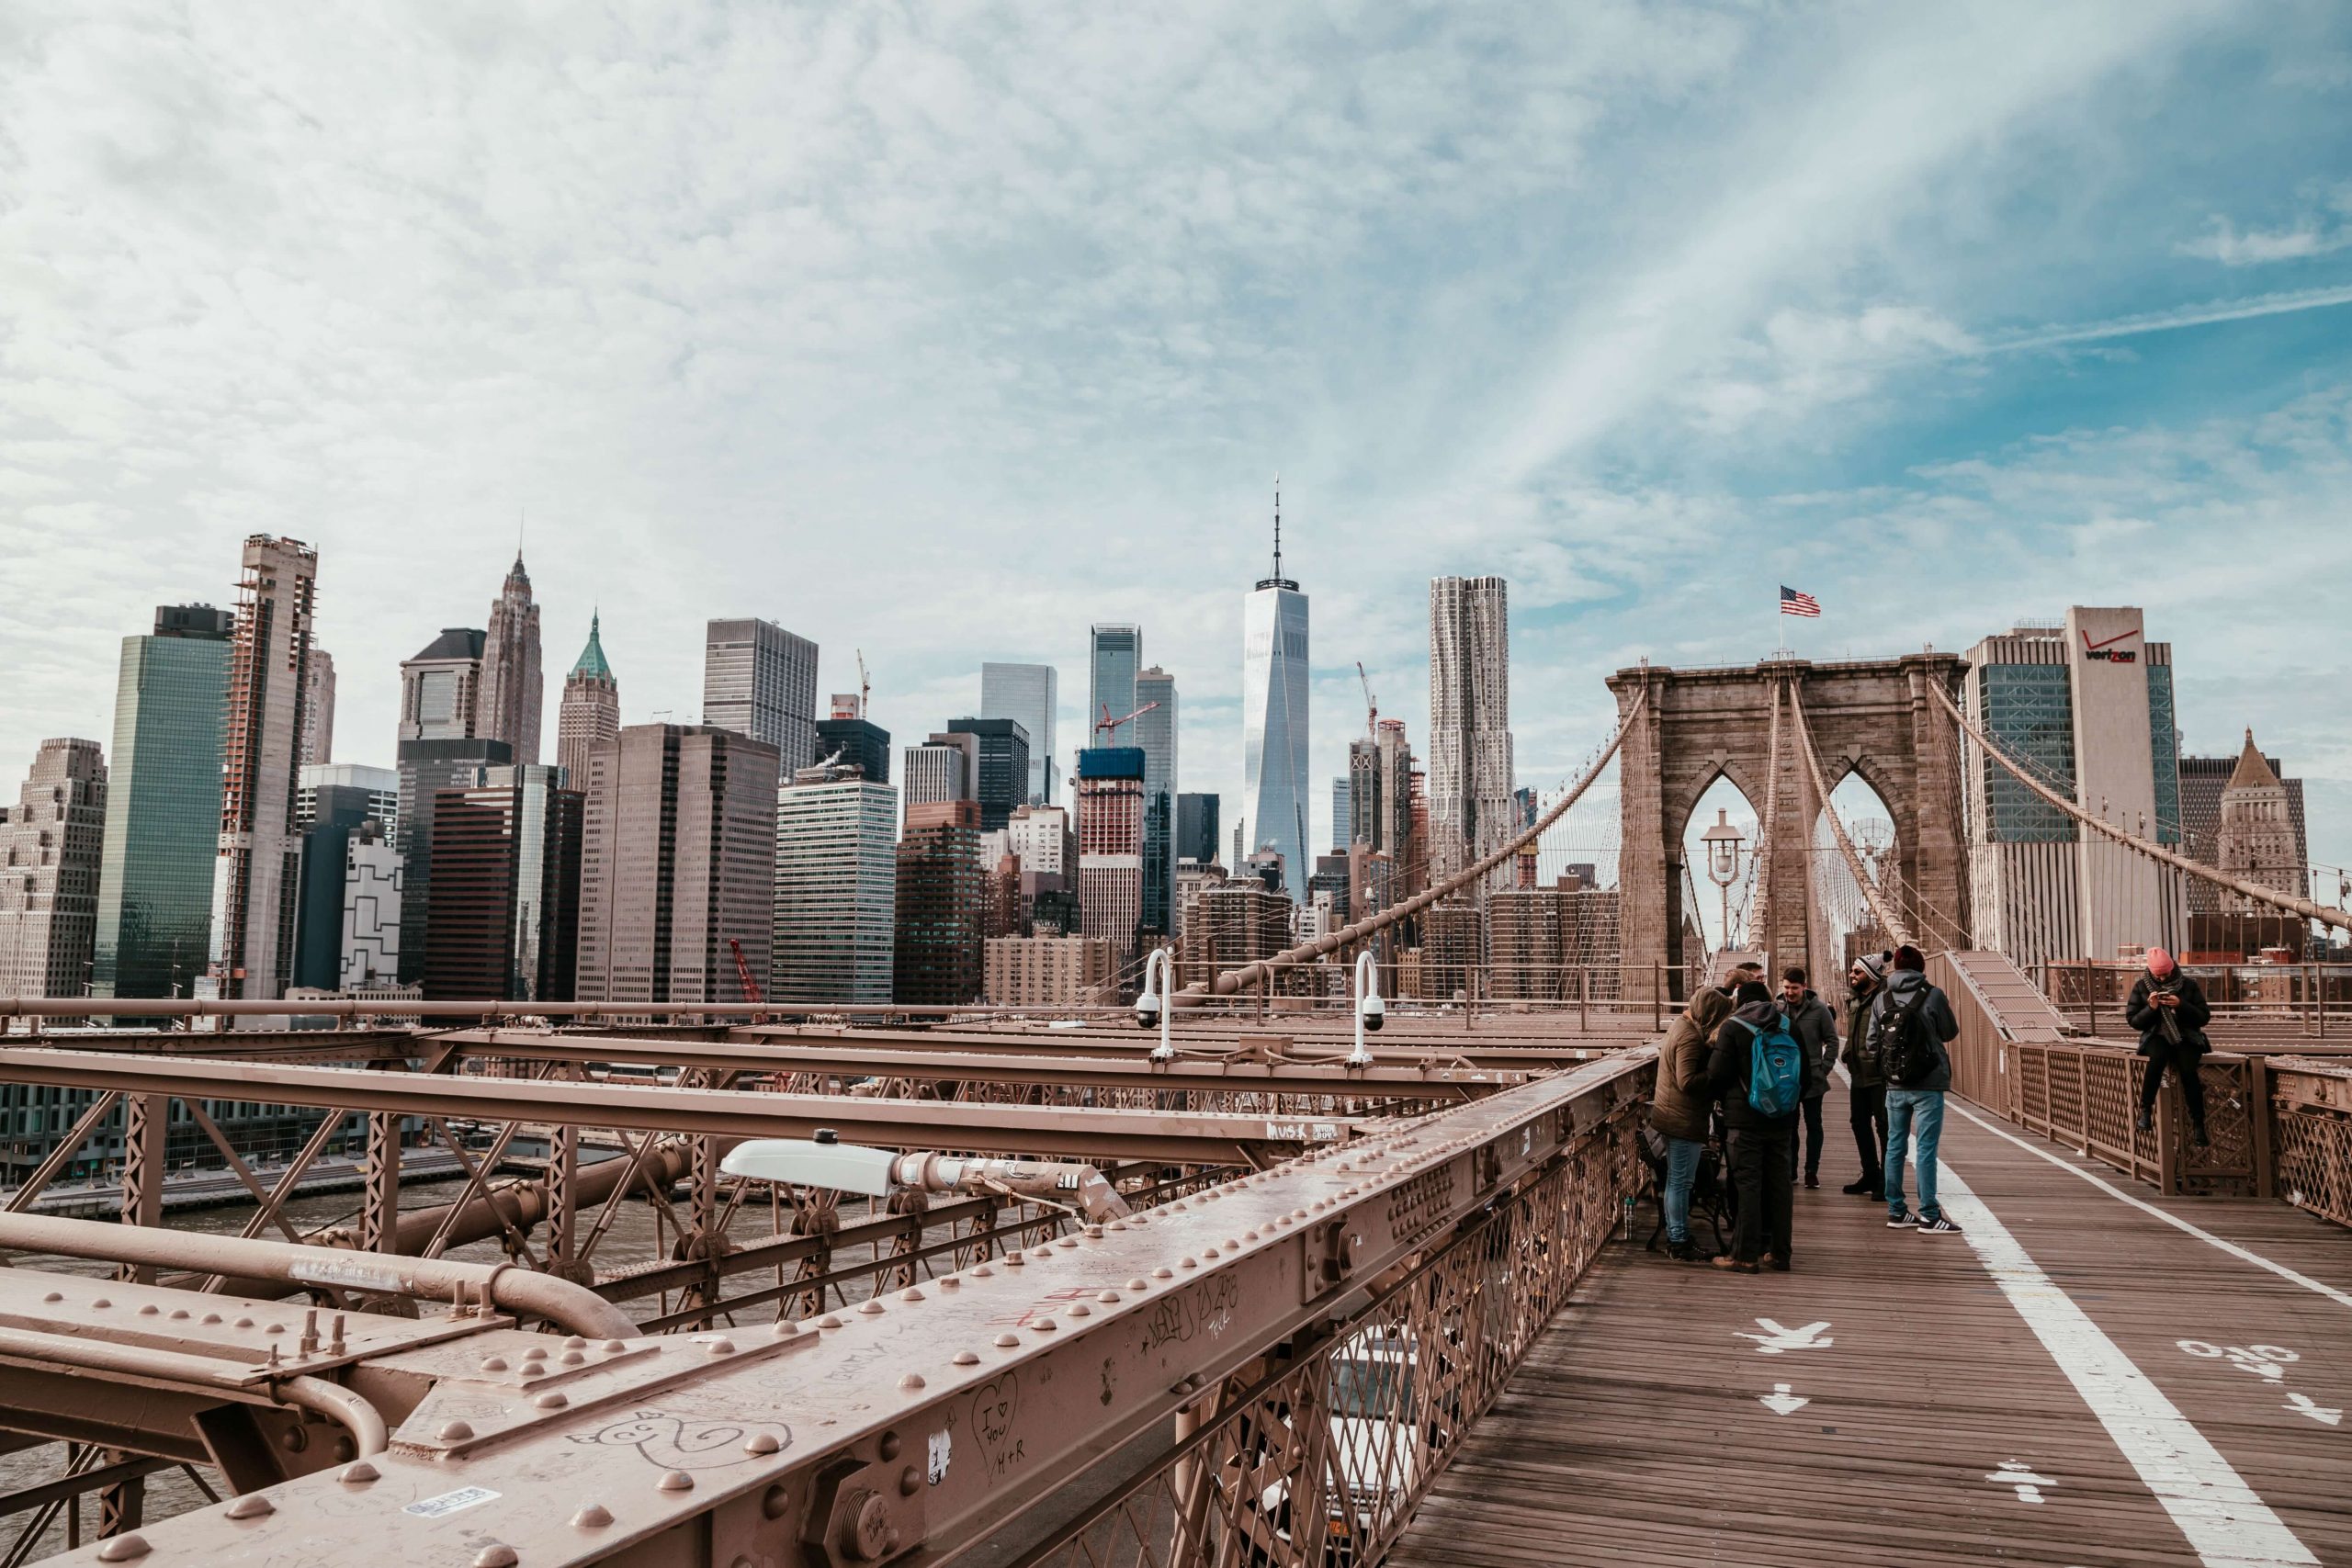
x=2302, y=1404
x=2017, y=1474
x=1780, y=1402
x=1776, y=1339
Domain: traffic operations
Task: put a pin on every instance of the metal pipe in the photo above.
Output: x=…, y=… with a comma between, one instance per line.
x=210, y=1373
x=567, y=1305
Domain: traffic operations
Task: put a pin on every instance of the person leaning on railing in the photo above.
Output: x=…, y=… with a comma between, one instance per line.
x=2170, y=1011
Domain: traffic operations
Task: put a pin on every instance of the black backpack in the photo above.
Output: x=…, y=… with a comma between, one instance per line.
x=1900, y=1041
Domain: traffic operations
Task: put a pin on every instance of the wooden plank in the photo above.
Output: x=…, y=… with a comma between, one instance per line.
x=1634, y=1433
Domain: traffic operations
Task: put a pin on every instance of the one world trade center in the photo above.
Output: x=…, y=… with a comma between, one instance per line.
x=1273, y=719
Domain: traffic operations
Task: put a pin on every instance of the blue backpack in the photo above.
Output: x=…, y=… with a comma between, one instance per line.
x=1775, y=1069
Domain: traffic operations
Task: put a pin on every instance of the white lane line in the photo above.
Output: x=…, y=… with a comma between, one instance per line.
x=2227, y=1525
x=2232, y=1248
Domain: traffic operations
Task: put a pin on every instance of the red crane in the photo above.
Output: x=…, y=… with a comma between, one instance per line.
x=1107, y=725
x=743, y=977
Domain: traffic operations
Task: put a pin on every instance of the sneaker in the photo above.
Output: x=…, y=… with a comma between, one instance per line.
x=1902, y=1221
x=1810, y=1179
x=2145, y=1123
x=1775, y=1262
x=1733, y=1264
x=1859, y=1187
x=1938, y=1226
x=1684, y=1251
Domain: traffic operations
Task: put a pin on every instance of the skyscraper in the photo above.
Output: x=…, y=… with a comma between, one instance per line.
x=254, y=882
x=590, y=713
x=1156, y=733
x=2085, y=705
x=677, y=856
x=2203, y=782
x=1342, y=816
x=1196, y=828
x=1273, y=717
x=317, y=711
x=1114, y=657
x=851, y=739
x=836, y=888
x=510, y=704
x=1026, y=693
x=162, y=828
x=51, y=847
x=349, y=932
x=441, y=749
x=1110, y=845
x=1470, y=808
x=505, y=888
x=945, y=767
x=1000, y=783
x=761, y=681
x=2258, y=839
x=941, y=903
x=1380, y=790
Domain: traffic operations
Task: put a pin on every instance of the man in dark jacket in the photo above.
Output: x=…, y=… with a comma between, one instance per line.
x=1866, y=1098
x=1908, y=1002
x=1761, y=1149
x=2170, y=1011
x=1816, y=1028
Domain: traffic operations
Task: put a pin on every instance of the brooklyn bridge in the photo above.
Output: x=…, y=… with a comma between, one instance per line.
x=1316, y=1268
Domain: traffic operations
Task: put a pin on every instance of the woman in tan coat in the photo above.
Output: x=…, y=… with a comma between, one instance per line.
x=1679, y=1108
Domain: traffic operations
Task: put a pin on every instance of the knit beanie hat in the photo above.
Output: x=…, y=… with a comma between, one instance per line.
x=2160, y=962
x=1909, y=957
x=1876, y=963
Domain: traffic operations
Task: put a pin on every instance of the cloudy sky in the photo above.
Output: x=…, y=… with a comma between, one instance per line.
x=942, y=330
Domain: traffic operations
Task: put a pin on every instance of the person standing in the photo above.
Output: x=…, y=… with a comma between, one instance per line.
x=1816, y=1028
x=1762, y=1142
x=2170, y=1011
x=1680, y=1110
x=1910, y=1023
x=1866, y=1097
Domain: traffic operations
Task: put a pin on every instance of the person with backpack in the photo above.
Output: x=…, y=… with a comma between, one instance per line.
x=1680, y=1110
x=1910, y=1023
x=1866, y=1096
x=2170, y=1011
x=1816, y=1028
x=1758, y=1071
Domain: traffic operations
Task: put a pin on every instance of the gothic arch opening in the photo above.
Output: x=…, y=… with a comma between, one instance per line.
x=1846, y=924
x=1723, y=870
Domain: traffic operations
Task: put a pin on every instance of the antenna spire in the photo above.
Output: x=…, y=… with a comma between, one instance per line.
x=1278, y=525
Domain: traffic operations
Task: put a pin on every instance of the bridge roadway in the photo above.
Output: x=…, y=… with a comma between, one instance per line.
x=2180, y=1401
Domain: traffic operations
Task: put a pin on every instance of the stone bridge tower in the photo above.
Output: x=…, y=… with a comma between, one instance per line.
x=1876, y=717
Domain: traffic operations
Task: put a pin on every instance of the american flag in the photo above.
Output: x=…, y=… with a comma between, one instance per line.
x=1796, y=603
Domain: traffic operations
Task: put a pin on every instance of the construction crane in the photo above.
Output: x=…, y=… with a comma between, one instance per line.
x=1106, y=725
x=1370, y=706
x=743, y=977
x=864, y=686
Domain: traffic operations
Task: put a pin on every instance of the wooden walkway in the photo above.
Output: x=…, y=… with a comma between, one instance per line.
x=2075, y=1380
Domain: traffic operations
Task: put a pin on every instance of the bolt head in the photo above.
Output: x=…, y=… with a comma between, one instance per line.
x=967, y=1357
x=612, y=1347
x=251, y=1505
x=719, y=1348
x=594, y=1517
x=869, y=1307
x=496, y=1555
x=675, y=1481
x=1007, y=1341
x=456, y=1431
x=124, y=1549
x=762, y=1443
x=911, y=1381
x=359, y=1472
x=554, y=1399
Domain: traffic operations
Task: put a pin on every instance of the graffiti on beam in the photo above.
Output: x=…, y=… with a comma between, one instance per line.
x=994, y=1405
x=673, y=1442
x=1208, y=1308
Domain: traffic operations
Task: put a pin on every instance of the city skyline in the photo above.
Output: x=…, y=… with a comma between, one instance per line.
x=1857, y=325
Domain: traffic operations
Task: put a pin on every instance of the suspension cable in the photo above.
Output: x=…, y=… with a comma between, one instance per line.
x=1889, y=921
x=2287, y=902
x=1230, y=982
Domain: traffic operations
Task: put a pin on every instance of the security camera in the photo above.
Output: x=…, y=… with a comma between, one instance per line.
x=1146, y=1011
x=1375, y=1010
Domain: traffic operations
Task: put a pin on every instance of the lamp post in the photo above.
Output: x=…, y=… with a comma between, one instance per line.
x=1724, y=844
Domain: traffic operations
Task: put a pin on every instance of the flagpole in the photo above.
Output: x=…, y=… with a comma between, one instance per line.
x=1780, y=614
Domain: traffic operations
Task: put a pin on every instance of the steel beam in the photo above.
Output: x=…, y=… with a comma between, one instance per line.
x=854, y=1055
x=1178, y=1136
x=911, y=1428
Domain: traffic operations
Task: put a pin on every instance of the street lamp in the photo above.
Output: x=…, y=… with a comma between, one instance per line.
x=1156, y=1005
x=1370, y=1009
x=1724, y=844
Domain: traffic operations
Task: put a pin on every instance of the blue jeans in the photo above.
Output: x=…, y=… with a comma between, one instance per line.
x=1910, y=1111
x=1682, y=1165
